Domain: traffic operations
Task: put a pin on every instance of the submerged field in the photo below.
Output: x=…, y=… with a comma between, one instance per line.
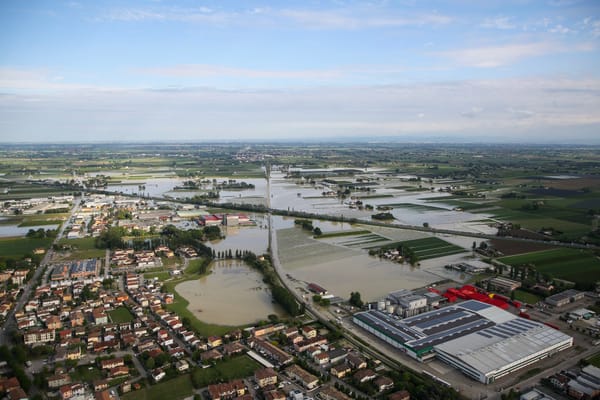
x=574, y=265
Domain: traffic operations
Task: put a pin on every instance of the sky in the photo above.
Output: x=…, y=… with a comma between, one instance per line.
x=151, y=70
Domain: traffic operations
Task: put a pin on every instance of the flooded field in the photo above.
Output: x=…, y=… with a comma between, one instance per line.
x=150, y=187
x=407, y=203
x=232, y=294
x=341, y=269
x=15, y=230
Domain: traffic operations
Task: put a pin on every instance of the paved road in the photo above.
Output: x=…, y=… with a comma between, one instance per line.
x=10, y=324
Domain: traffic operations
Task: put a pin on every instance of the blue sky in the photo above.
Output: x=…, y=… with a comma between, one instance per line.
x=205, y=70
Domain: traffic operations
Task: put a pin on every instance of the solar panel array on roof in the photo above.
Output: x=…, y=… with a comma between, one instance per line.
x=449, y=334
x=453, y=324
x=386, y=325
x=442, y=319
x=474, y=305
x=428, y=316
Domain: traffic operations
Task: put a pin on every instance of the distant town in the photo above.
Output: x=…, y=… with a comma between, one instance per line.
x=284, y=272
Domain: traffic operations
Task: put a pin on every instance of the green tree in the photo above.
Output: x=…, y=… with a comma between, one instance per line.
x=111, y=238
x=150, y=363
x=355, y=300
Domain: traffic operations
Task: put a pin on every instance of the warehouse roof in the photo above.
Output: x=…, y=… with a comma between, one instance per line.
x=495, y=347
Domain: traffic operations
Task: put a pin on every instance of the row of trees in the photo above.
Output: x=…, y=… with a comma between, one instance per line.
x=41, y=233
x=280, y=294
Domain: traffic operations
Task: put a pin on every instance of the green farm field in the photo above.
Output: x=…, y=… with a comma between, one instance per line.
x=432, y=247
x=574, y=265
x=18, y=247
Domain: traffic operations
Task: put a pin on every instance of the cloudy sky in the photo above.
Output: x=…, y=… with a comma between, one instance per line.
x=506, y=70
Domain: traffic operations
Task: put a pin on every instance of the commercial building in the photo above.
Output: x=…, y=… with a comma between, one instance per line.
x=481, y=340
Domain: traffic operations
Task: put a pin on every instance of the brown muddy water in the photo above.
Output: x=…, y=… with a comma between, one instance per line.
x=232, y=294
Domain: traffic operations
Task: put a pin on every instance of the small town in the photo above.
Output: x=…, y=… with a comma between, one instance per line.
x=94, y=314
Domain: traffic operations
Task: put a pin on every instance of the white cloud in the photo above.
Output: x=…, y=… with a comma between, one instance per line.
x=328, y=75
x=206, y=70
x=520, y=114
x=500, y=55
x=500, y=22
x=472, y=113
x=560, y=29
x=39, y=80
x=513, y=109
x=343, y=18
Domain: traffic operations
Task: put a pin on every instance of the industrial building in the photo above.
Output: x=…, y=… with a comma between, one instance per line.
x=407, y=303
x=76, y=270
x=503, y=284
x=565, y=297
x=481, y=340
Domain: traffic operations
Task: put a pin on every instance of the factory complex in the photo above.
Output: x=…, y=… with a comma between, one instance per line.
x=481, y=340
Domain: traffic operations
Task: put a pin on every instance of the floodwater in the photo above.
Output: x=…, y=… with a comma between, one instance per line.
x=152, y=186
x=233, y=294
x=287, y=195
x=253, y=238
x=341, y=270
x=15, y=230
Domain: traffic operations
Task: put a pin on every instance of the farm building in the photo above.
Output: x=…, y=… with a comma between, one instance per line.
x=481, y=340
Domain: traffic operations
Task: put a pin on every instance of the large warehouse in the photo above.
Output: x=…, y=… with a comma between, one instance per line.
x=483, y=341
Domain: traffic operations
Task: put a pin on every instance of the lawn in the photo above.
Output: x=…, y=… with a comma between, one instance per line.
x=88, y=243
x=83, y=373
x=120, y=314
x=170, y=262
x=526, y=297
x=177, y=388
x=574, y=265
x=432, y=247
x=19, y=247
x=81, y=249
x=161, y=275
x=194, y=266
x=234, y=368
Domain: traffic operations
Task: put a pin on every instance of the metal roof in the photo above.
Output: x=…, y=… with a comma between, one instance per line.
x=496, y=347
